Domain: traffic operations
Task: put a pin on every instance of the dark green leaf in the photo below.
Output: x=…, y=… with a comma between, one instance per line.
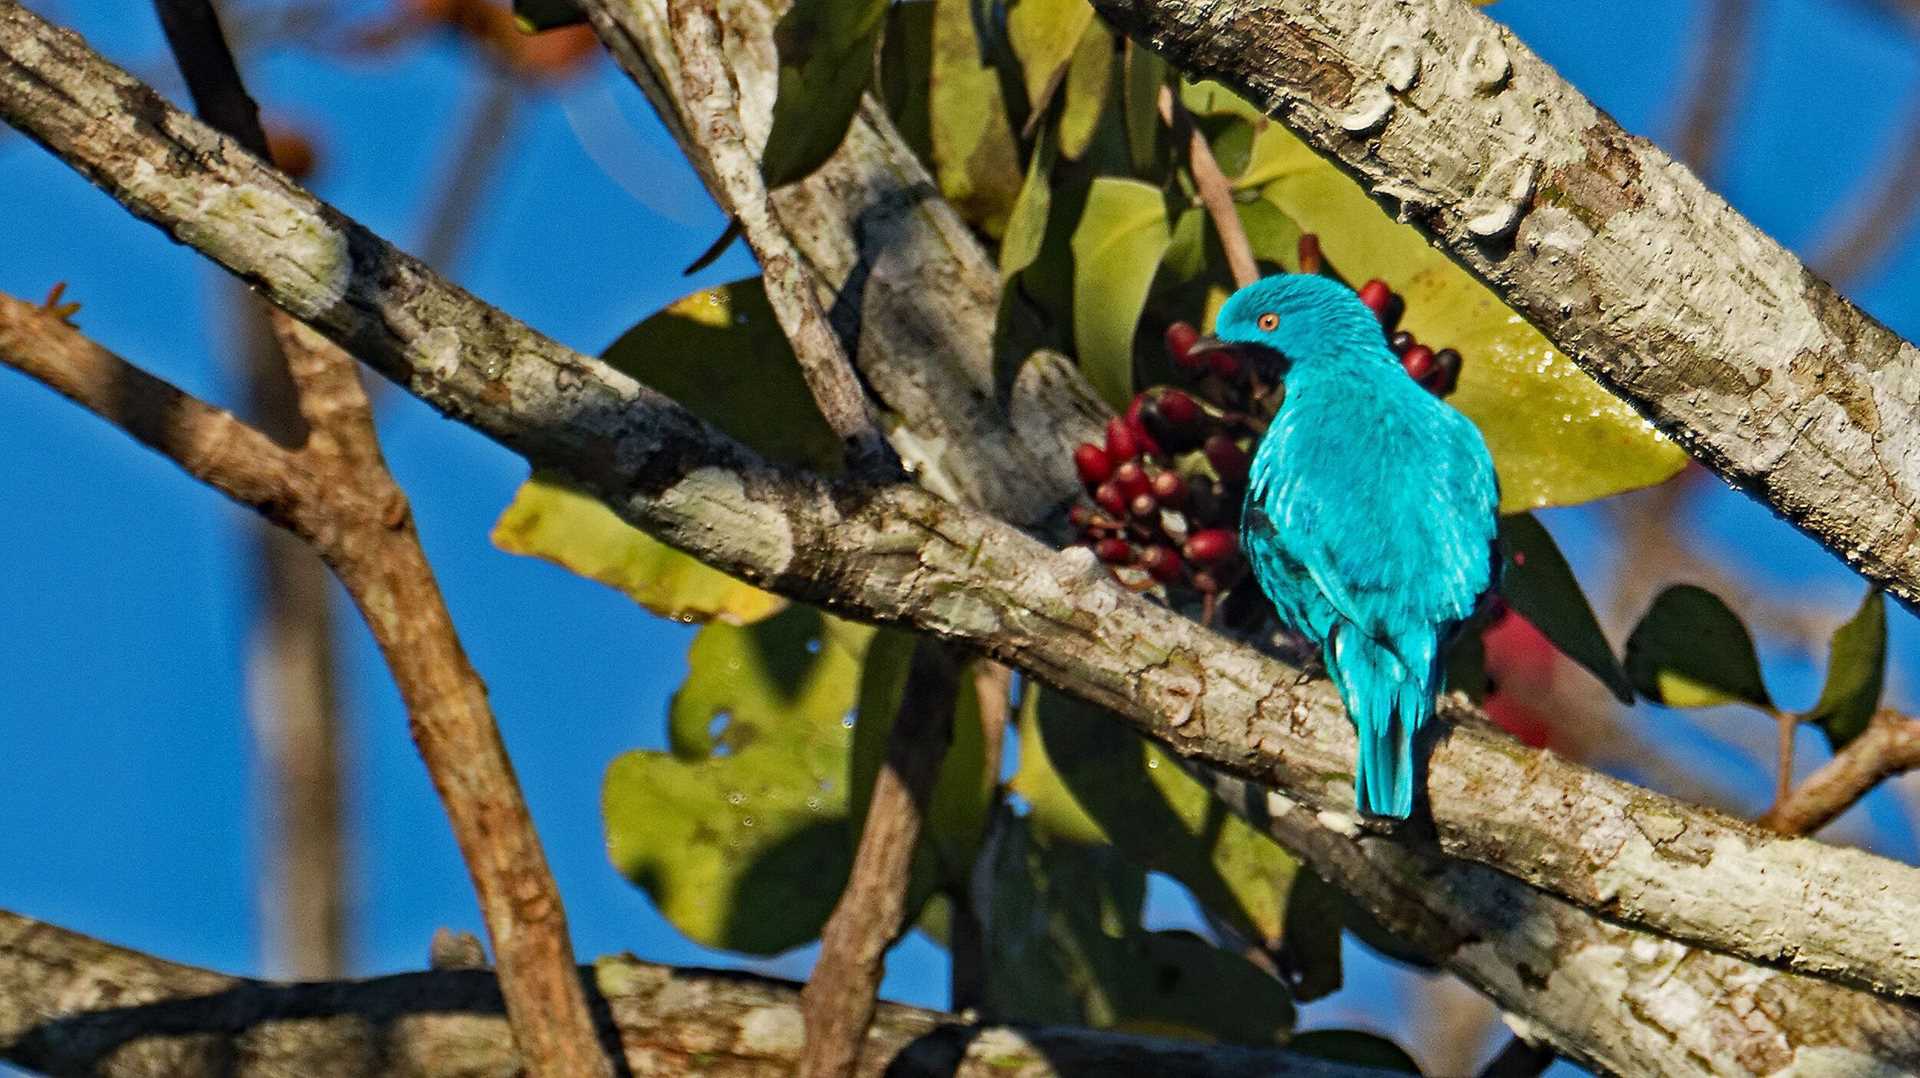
x=1353, y=1046
x=1117, y=247
x=1691, y=651
x=1539, y=585
x=1089, y=82
x=1856, y=672
x=1147, y=143
x=537, y=15
x=976, y=158
x=906, y=65
x=739, y=832
x=826, y=60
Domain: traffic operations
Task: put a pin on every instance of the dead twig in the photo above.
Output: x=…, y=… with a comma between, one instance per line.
x=839, y=999
x=1889, y=746
x=1216, y=194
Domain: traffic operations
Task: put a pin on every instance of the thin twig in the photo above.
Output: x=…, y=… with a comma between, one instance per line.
x=1723, y=56
x=1216, y=194
x=1889, y=746
x=1787, y=724
x=1870, y=229
x=732, y=171
x=839, y=998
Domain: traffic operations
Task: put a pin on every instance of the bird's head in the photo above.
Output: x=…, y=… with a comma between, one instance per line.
x=1295, y=318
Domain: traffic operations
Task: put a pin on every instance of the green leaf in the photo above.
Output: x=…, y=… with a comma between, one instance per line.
x=906, y=62
x=537, y=15
x=1274, y=236
x=826, y=60
x=1691, y=651
x=1557, y=437
x=1856, y=672
x=1089, y=83
x=1147, y=143
x=722, y=355
x=1145, y=804
x=1186, y=256
x=1117, y=247
x=1066, y=947
x=738, y=832
x=1044, y=34
x=1027, y=224
x=1539, y=585
x=975, y=156
x=1353, y=1046
x=963, y=793
x=549, y=519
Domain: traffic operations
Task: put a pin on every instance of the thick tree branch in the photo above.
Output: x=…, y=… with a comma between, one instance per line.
x=897, y=555
x=839, y=998
x=1652, y=283
x=74, y=1005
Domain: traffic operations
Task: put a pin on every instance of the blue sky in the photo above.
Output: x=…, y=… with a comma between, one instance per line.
x=129, y=808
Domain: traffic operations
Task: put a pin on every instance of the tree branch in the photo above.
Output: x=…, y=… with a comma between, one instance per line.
x=1889, y=746
x=897, y=555
x=1650, y=282
x=872, y=912
x=74, y=1005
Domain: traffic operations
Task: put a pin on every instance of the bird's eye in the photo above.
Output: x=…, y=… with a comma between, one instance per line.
x=1268, y=322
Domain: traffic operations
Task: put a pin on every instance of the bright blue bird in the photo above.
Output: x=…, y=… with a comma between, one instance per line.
x=1369, y=517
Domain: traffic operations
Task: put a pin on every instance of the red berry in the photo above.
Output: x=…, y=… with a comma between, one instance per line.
x=1169, y=488
x=1162, y=563
x=1375, y=295
x=1400, y=342
x=1228, y=459
x=1132, y=480
x=1092, y=463
x=1136, y=422
x=1178, y=408
x=1080, y=515
x=1180, y=338
x=1109, y=497
x=1144, y=506
x=1418, y=361
x=1121, y=445
x=1210, y=547
x=1113, y=551
x=1447, y=371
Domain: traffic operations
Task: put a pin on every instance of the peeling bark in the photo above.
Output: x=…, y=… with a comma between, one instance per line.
x=1649, y=281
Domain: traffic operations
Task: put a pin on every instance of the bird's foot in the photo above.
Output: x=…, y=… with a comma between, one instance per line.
x=1312, y=668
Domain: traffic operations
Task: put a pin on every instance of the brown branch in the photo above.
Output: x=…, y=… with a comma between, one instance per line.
x=710, y=106
x=872, y=912
x=1889, y=746
x=1871, y=227
x=364, y=530
x=1216, y=194
x=1724, y=53
x=74, y=1005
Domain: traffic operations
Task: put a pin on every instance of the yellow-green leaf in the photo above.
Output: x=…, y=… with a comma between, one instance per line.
x=1044, y=35
x=738, y=832
x=1027, y=223
x=1856, y=673
x=1691, y=651
x=1557, y=437
x=548, y=519
x=1147, y=142
x=1089, y=82
x=826, y=60
x=975, y=156
x=1117, y=246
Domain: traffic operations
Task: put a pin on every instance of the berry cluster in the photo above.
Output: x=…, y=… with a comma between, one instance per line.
x=1167, y=483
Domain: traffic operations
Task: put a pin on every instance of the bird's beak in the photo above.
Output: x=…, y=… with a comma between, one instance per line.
x=1269, y=361
x=1208, y=343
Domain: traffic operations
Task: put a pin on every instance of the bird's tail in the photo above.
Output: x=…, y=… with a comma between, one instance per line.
x=1389, y=694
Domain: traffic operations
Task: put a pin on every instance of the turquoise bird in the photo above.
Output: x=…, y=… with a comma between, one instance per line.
x=1370, y=513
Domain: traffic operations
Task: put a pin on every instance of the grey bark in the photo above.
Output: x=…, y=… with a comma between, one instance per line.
x=1649, y=281
x=899, y=555
x=75, y=1005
